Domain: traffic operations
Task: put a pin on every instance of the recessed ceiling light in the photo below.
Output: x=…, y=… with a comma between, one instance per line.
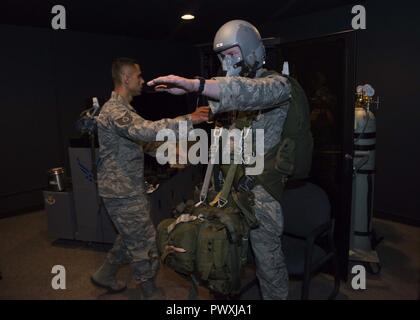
x=187, y=17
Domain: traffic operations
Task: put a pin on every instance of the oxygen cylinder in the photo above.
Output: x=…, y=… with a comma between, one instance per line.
x=363, y=175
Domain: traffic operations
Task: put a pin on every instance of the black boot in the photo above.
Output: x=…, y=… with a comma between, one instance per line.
x=151, y=292
x=105, y=277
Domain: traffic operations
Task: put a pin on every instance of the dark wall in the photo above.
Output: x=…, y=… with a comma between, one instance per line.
x=28, y=122
x=46, y=79
x=387, y=58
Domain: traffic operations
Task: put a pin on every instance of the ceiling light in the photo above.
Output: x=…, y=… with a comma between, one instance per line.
x=187, y=17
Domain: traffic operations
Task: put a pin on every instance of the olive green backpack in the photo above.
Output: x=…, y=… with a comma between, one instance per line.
x=291, y=159
x=214, y=244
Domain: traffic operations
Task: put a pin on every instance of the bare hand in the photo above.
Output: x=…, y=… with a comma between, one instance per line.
x=174, y=84
x=200, y=115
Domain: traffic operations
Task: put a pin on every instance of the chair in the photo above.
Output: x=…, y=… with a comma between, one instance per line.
x=307, y=222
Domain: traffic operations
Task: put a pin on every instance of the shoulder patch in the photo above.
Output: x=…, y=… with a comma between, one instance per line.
x=125, y=119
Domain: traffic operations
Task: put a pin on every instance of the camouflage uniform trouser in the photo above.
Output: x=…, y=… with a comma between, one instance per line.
x=136, y=240
x=266, y=244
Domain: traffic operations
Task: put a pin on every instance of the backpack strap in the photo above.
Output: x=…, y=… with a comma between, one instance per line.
x=227, y=186
x=208, y=263
x=221, y=199
x=228, y=223
x=245, y=208
x=214, y=149
x=235, y=264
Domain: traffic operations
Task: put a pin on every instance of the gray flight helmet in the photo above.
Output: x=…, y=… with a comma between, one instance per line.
x=244, y=35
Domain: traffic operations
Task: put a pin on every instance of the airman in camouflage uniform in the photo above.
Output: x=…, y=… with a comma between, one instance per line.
x=246, y=88
x=245, y=94
x=122, y=133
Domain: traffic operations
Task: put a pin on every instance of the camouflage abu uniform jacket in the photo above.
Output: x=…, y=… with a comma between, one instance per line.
x=245, y=94
x=121, y=131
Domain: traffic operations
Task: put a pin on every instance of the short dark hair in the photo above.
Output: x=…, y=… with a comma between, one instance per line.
x=117, y=66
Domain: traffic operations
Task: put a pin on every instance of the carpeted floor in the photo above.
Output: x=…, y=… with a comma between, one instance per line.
x=27, y=256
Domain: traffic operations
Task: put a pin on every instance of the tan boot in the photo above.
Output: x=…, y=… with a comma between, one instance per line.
x=105, y=277
x=151, y=292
